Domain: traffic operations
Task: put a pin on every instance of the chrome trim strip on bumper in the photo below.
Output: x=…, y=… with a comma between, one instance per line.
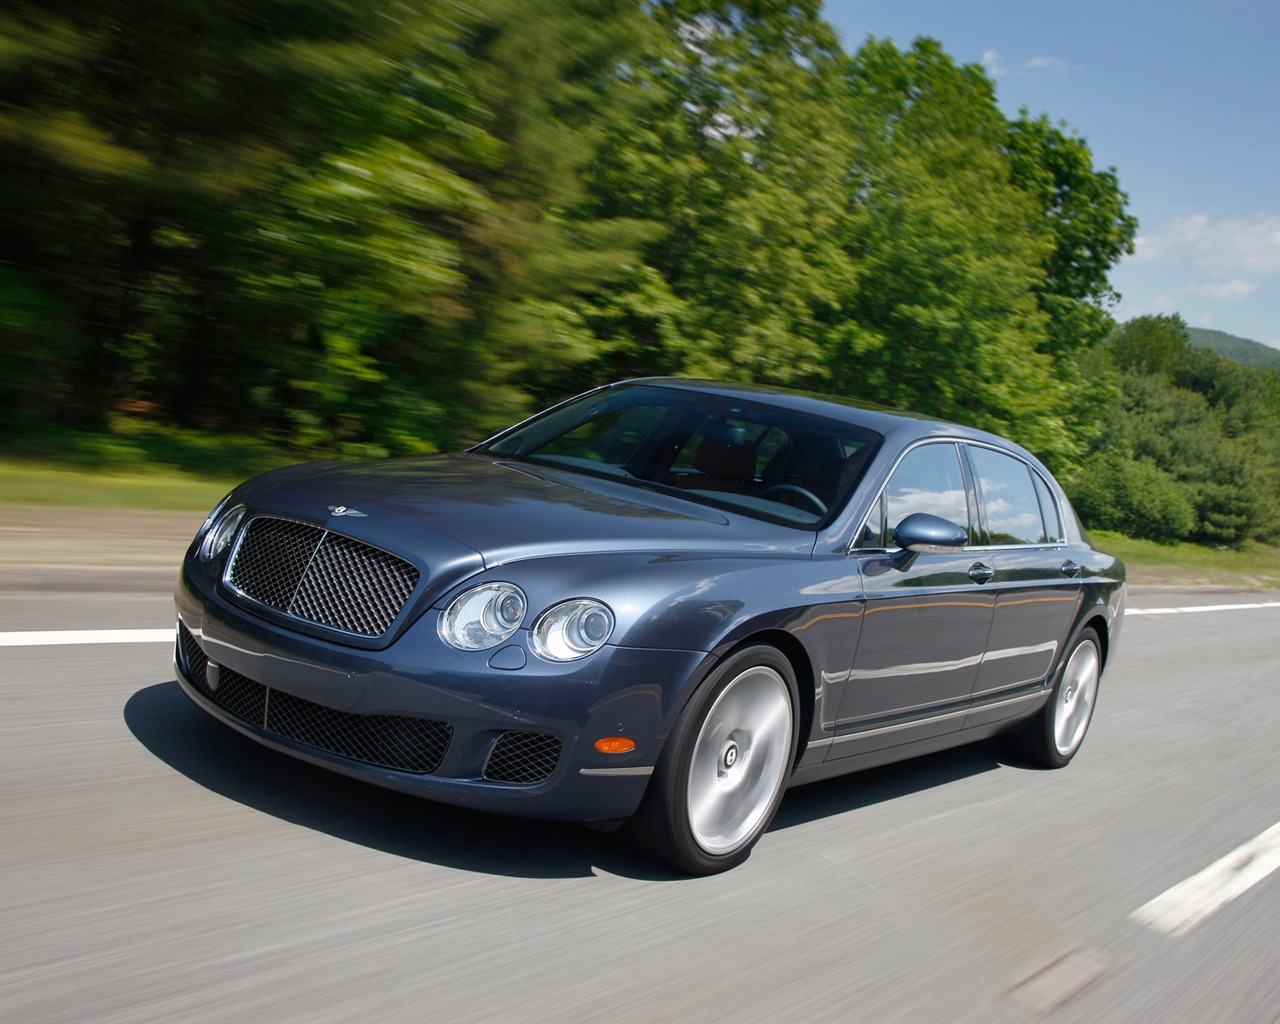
x=617, y=772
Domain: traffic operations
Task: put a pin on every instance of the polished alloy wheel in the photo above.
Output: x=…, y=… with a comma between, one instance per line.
x=1076, y=695
x=739, y=760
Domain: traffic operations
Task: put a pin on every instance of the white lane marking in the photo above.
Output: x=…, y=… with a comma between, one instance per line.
x=62, y=637
x=1178, y=910
x=1200, y=608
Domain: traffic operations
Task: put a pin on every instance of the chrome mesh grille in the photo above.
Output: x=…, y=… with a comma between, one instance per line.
x=272, y=559
x=523, y=758
x=399, y=742
x=322, y=577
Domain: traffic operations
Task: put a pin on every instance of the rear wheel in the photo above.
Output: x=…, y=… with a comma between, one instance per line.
x=721, y=777
x=1053, y=736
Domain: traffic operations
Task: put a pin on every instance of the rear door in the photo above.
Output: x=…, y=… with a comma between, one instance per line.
x=1036, y=585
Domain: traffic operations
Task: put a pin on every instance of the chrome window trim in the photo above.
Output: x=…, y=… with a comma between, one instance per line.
x=1061, y=542
x=1036, y=474
x=852, y=547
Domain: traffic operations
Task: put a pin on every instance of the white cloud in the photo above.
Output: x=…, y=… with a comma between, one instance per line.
x=1227, y=247
x=991, y=61
x=1227, y=291
x=1055, y=64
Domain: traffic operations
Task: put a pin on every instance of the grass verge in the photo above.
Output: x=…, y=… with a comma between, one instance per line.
x=25, y=483
x=1254, y=565
x=160, y=488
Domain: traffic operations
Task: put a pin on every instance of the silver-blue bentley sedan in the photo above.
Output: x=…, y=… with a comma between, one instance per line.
x=660, y=604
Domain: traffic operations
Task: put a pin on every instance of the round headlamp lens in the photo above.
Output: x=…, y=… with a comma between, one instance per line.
x=572, y=630
x=212, y=516
x=483, y=616
x=221, y=533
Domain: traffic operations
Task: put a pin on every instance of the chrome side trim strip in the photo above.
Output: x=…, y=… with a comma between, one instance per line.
x=899, y=726
x=617, y=772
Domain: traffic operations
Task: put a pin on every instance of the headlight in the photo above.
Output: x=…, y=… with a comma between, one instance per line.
x=483, y=616
x=217, y=511
x=220, y=534
x=572, y=629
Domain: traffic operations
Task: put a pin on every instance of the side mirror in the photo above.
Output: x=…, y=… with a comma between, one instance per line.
x=923, y=534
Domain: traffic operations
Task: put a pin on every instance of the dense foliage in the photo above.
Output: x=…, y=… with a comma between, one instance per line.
x=349, y=227
x=1193, y=449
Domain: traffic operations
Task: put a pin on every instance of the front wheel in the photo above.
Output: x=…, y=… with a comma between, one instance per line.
x=1053, y=736
x=721, y=776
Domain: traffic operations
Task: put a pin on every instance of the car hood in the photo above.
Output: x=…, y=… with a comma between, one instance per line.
x=441, y=509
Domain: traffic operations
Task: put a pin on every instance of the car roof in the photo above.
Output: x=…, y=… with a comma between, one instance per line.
x=894, y=424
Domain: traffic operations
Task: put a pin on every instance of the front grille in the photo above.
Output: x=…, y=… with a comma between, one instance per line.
x=522, y=758
x=323, y=577
x=400, y=742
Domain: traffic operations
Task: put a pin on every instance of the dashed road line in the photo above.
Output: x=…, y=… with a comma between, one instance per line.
x=1201, y=608
x=65, y=637
x=1176, y=911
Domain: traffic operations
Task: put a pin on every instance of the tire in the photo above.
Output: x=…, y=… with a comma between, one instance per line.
x=1052, y=738
x=722, y=774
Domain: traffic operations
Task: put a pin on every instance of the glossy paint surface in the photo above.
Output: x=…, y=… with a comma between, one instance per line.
x=892, y=657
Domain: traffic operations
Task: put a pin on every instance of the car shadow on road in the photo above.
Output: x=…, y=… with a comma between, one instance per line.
x=214, y=756
x=223, y=761
x=847, y=793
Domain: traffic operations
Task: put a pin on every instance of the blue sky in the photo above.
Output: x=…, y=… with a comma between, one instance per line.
x=1181, y=98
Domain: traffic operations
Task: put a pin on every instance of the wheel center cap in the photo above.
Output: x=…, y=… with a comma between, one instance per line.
x=731, y=755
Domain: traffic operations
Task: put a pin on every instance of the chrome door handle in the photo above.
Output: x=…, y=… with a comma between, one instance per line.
x=980, y=573
x=1069, y=568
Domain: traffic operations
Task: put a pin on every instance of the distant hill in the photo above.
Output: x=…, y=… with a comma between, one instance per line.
x=1242, y=350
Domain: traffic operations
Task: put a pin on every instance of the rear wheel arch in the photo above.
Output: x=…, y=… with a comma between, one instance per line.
x=1102, y=628
x=1051, y=737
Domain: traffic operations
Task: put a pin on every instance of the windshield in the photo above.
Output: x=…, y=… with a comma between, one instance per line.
x=745, y=456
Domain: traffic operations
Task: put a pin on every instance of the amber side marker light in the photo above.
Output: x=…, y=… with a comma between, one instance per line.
x=615, y=744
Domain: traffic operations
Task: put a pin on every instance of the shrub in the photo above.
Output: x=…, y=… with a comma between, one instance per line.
x=1112, y=492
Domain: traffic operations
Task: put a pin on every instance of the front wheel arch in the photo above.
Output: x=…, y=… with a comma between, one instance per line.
x=725, y=765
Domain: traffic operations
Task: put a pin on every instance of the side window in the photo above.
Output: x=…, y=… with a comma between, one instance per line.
x=928, y=479
x=1049, y=509
x=1008, y=496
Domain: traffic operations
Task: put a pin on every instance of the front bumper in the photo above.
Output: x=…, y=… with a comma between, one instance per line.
x=493, y=730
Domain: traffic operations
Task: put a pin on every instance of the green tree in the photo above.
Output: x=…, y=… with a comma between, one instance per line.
x=1191, y=418
x=1152, y=345
x=738, y=148
x=1082, y=212
x=946, y=319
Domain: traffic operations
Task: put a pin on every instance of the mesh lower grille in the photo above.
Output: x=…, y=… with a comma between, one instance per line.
x=400, y=742
x=392, y=741
x=323, y=577
x=523, y=757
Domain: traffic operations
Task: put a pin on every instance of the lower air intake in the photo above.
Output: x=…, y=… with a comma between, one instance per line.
x=399, y=742
x=523, y=758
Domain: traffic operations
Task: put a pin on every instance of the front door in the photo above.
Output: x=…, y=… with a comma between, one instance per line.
x=924, y=629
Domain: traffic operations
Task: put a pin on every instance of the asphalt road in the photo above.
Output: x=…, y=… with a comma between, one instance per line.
x=155, y=866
